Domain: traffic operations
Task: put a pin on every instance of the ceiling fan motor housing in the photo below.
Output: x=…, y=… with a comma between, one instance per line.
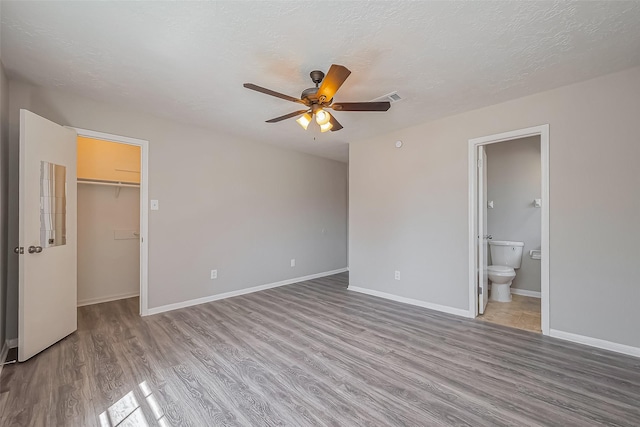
x=309, y=93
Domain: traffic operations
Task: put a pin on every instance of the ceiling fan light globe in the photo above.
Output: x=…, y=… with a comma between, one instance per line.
x=322, y=117
x=326, y=127
x=304, y=120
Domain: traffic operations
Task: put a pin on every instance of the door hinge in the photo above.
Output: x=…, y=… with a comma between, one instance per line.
x=479, y=290
x=18, y=250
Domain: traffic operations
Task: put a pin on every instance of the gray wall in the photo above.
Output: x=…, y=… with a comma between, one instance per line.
x=408, y=207
x=107, y=267
x=513, y=178
x=5, y=254
x=244, y=208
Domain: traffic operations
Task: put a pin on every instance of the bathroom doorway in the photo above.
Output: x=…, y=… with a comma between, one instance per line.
x=509, y=228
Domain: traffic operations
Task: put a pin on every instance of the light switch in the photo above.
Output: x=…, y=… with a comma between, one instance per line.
x=155, y=205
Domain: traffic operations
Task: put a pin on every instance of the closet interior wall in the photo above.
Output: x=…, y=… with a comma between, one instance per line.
x=108, y=224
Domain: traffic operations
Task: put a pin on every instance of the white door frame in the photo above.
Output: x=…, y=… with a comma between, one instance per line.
x=543, y=132
x=144, y=206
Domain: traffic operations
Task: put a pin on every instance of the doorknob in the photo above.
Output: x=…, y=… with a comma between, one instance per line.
x=18, y=250
x=34, y=249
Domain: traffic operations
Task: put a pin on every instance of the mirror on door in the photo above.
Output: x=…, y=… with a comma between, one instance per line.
x=53, y=205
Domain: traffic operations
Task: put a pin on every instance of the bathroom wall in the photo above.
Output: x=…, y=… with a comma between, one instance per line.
x=513, y=181
x=108, y=268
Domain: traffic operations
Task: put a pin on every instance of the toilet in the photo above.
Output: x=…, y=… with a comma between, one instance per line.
x=506, y=257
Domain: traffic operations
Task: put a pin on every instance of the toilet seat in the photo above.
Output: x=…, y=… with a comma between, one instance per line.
x=501, y=277
x=501, y=271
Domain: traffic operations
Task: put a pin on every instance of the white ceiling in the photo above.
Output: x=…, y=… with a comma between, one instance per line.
x=188, y=61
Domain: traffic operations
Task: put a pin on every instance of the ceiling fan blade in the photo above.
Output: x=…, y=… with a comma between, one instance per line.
x=336, y=124
x=361, y=106
x=272, y=93
x=332, y=81
x=287, y=116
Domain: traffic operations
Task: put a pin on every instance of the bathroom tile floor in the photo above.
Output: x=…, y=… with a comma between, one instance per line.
x=522, y=313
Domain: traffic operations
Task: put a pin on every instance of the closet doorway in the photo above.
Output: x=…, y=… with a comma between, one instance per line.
x=112, y=218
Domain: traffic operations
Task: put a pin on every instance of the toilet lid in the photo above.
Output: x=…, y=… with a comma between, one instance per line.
x=499, y=268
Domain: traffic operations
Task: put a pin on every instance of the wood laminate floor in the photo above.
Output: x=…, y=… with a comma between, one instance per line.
x=313, y=353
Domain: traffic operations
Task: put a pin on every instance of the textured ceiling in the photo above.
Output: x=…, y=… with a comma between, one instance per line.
x=188, y=61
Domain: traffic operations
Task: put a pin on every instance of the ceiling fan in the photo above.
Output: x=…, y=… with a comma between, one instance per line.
x=318, y=99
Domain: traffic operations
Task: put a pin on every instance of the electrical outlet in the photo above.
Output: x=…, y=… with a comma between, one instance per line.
x=214, y=274
x=397, y=276
x=293, y=262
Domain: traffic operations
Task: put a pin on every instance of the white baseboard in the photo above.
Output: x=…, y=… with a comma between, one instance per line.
x=13, y=343
x=210, y=298
x=3, y=354
x=596, y=342
x=429, y=305
x=99, y=300
x=526, y=293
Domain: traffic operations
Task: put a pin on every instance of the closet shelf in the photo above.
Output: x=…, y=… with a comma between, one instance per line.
x=116, y=184
x=109, y=183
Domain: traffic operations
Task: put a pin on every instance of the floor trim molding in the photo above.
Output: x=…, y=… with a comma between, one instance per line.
x=13, y=343
x=210, y=298
x=526, y=293
x=99, y=300
x=596, y=342
x=3, y=354
x=419, y=303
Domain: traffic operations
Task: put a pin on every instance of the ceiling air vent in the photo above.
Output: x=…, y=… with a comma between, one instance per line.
x=390, y=97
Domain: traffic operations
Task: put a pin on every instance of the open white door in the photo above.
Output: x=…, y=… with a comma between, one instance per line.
x=47, y=309
x=483, y=281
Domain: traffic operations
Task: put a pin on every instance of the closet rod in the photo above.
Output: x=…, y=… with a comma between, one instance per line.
x=110, y=184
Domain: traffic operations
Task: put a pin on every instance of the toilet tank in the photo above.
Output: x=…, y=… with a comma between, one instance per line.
x=506, y=253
